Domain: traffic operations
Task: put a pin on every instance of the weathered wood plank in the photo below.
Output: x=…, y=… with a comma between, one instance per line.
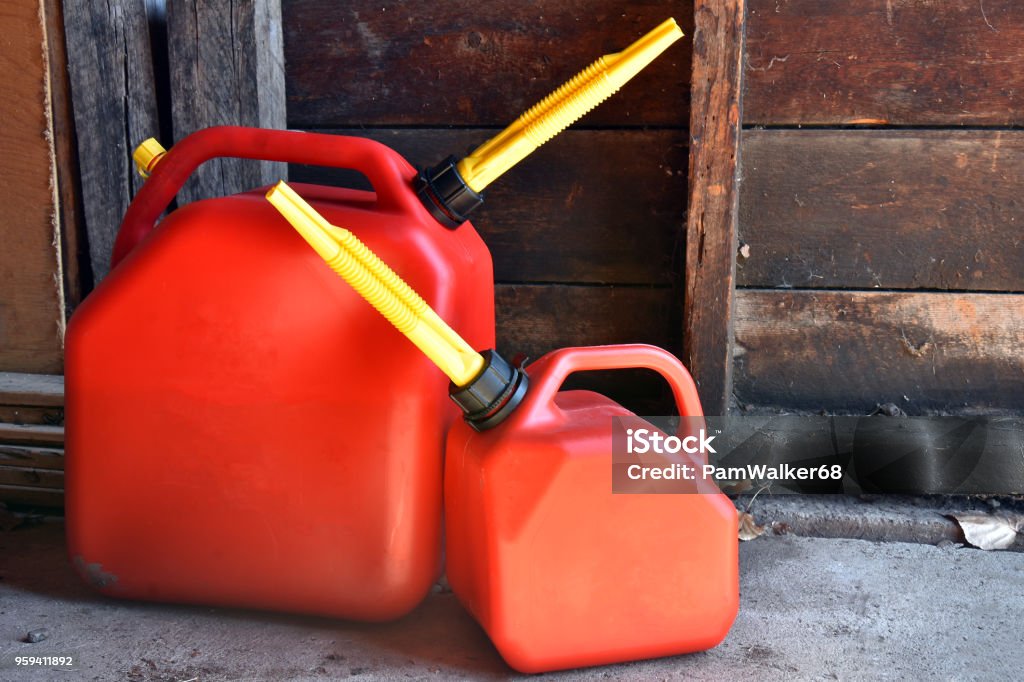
x=470, y=63
x=711, y=231
x=31, y=478
x=536, y=319
x=590, y=206
x=896, y=62
x=114, y=102
x=51, y=416
x=32, y=497
x=227, y=68
x=31, y=303
x=851, y=351
x=885, y=209
x=32, y=434
x=69, y=201
x=32, y=457
x=45, y=390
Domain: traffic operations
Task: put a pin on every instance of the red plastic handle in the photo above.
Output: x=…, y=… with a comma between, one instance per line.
x=388, y=172
x=549, y=372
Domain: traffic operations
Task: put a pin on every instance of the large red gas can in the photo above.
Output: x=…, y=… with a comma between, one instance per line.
x=560, y=571
x=240, y=430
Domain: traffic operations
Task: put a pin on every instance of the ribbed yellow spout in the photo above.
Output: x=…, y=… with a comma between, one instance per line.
x=563, y=107
x=380, y=286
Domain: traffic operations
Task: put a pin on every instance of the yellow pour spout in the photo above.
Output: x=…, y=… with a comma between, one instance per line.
x=380, y=286
x=563, y=107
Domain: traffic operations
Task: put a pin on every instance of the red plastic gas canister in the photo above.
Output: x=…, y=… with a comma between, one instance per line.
x=240, y=430
x=560, y=571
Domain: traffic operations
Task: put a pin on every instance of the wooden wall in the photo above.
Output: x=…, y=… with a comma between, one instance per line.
x=587, y=233
x=880, y=207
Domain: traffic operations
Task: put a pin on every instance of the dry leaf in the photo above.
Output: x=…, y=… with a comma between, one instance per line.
x=749, y=529
x=988, y=532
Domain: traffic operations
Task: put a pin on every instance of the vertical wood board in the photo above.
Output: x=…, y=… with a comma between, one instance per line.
x=114, y=103
x=31, y=287
x=715, y=119
x=227, y=68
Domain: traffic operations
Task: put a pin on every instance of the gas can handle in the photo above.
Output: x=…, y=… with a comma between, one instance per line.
x=549, y=372
x=389, y=173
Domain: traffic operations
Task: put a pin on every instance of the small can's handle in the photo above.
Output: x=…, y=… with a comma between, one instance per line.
x=549, y=372
x=389, y=173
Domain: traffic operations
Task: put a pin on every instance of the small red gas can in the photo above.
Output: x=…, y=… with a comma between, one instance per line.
x=560, y=571
x=240, y=430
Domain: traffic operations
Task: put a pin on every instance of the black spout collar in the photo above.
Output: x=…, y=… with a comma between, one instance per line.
x=493, y=394
x=445, y=194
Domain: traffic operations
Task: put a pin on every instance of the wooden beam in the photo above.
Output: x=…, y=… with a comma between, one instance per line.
x=31, y=302
x=114, y=101
x=711, y=226
x=889, y=209
x=227, y=68
x=850, y=351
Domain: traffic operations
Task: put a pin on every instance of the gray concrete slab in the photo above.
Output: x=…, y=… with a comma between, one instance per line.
x=810, y=609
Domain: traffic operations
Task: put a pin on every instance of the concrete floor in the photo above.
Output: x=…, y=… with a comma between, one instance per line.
x=810, y=609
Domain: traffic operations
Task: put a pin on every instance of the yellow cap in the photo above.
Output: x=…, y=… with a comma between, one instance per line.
x=380, y=286
x=564, y=106
x=147, y=155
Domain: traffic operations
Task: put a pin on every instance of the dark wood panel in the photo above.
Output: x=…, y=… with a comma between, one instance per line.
x=51, y=416
x=226, y=68
x=32, y=478
x=591, y=206
x=711, y=222
x=851, y=351
x=31, y=291
x=32, y=457
x=886, y=209
x=536, y=319
x=111, y=70
x=32, y=497
x=897, y=62
x=471, y=63
x=32, y=434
